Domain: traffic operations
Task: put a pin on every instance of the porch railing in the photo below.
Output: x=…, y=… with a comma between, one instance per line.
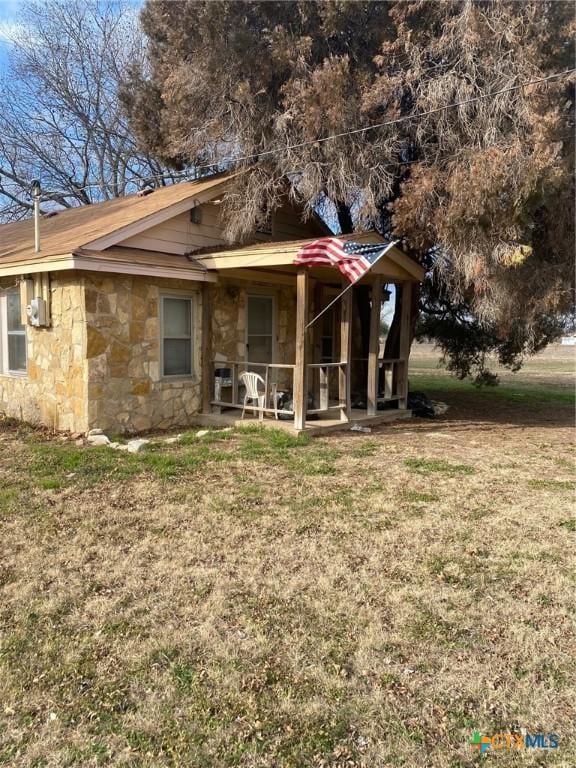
x=231, y=382
x=324, y=370
x=227, y=379
x=395, y=379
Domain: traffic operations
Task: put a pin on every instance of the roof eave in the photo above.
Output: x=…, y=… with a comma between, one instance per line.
x=91, y=263
x=279, y=254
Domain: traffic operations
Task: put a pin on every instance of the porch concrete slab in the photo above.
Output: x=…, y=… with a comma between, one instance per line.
x=318, y=427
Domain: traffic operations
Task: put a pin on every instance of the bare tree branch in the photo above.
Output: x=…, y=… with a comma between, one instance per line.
x=60, y=117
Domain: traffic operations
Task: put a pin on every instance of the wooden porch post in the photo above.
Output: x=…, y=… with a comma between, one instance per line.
x=206, y=349
x=300, y=394
x=321, y=373
x=318, y=292
x=345, y=354
x=374, y=346
x=404, y=343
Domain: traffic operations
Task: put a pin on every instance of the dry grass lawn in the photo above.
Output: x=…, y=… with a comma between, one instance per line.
x=250, y=599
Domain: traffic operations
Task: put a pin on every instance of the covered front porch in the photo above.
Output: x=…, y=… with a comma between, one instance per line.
x=358, y=418
x=324, y=376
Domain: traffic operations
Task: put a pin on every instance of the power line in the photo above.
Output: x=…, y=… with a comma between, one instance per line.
x=137, y=179
x=323, y=139
x=425, y=113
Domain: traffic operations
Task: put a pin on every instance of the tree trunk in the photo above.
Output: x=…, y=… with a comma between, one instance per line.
x=360, y=350
x=392, y=347
x=362, y=306
x=344, y=218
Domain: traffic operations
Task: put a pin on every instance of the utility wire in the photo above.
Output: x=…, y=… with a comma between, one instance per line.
x=51, y=195
x=323, y=139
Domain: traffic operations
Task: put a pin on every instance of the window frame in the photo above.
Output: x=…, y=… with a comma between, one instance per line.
x=5, y=369
x=262, y=294
x=192, y=302
x=331, y=336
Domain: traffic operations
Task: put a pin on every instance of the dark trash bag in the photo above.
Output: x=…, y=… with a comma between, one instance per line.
x=286, y=403
x=421, y=405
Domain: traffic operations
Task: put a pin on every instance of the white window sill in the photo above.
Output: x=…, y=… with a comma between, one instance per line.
x=189, y=377
x=14, y=374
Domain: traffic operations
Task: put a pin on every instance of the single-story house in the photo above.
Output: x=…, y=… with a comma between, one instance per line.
x=136, y=314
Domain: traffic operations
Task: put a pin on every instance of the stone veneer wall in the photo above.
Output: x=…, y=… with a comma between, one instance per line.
x=126, y=392
x=54, y=390
x=98, y=364
x=229, y=323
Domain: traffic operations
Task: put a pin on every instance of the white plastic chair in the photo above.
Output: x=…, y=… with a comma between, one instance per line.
x=251, y=381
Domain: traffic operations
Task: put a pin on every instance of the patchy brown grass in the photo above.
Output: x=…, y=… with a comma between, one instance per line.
x=263, y=601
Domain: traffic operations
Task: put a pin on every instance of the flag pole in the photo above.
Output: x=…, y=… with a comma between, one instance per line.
x=327, y=307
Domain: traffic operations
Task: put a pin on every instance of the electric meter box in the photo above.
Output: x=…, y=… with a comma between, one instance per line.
x=36, y=312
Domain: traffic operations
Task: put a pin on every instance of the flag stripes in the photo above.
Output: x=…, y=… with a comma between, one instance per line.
x=352, y=259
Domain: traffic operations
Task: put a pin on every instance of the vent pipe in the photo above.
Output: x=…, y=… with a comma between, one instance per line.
x=36, y=192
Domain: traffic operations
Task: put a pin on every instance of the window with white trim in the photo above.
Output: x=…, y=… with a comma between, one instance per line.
x=176, y=324
x=12, y=334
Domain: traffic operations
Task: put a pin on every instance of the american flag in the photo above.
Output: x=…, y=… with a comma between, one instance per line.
x=352, y=259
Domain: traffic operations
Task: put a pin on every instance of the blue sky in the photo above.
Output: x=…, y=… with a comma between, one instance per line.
x=8, y=18
x=8, y=9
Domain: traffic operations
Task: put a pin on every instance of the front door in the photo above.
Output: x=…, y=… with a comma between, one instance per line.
x=260, y=330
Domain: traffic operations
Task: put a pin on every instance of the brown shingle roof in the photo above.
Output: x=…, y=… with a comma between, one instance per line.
x=75, y=227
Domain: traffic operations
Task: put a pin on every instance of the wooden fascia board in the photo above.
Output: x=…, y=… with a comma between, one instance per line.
x=126, y=268
x=393, y=268
x=280, y=253
x=268, y=277
x=53, y=264
x=71, y=261
x=258, y=260
x=389, y=270
x=407, y=264
x=400, y=266
x=152, y=219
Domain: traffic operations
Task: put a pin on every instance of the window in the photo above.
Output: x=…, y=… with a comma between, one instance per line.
x=12, y=334
x=176, y=336
x=260, y=329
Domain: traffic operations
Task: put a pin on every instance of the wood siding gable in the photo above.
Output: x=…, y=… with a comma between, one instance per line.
x=181, y=235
